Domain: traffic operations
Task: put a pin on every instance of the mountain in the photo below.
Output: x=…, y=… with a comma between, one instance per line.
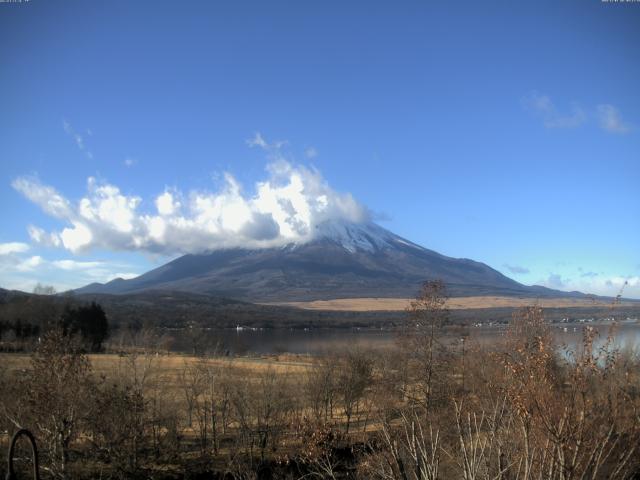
x=344, y=260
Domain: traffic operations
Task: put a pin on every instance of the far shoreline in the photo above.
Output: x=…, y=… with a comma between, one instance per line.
x=380, y=304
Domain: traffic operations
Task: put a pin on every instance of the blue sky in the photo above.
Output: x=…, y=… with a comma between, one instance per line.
x=506, y=132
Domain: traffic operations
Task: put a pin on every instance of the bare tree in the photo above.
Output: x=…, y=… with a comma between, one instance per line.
x=190, y=384
x=206, y=400
x=41, y=289
x=355, y=374
x=58, y=387
x=261, y=408
x=320, y=386
x=426, y=316
x=116, y=427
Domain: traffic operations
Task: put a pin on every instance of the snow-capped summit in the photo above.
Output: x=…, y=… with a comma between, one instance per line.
x=352, y=236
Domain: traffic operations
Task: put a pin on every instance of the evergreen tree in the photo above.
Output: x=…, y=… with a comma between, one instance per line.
x=88, y=321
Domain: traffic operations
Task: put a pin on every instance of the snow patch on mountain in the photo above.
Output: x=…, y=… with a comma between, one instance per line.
x=353, y=237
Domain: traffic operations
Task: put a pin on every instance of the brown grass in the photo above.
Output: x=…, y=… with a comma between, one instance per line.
x=460, y=303
x=167, y=368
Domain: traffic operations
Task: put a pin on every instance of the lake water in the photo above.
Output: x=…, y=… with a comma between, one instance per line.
x=299, y=341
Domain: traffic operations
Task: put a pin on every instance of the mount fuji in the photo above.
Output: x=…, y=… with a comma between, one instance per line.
x=343, y=260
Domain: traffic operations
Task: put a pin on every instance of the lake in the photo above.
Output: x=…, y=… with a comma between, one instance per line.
x=300, y=341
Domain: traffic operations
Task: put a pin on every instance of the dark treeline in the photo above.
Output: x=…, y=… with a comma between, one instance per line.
x=24, y=319
x=179, y=310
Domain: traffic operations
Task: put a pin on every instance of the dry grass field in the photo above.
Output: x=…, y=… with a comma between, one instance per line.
x=459, y=303
x=169, y=366
x=175, y=386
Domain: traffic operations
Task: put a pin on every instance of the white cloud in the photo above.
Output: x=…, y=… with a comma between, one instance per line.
x=598, y=284
x=130, y=162
x=13, y=247
x=166, y=204
x=106, y=204
x=77, y=238
x=29, y=264
x=76, y=265
x=610, y=119
x=24, y=272
x=623, y=282
x=285, y=208
x=11, y=259
x=123, y=275
x=552, y=118
x=44, y=196
x=38, y=235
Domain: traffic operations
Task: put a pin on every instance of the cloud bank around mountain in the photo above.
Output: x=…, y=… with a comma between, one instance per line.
x=285, y=208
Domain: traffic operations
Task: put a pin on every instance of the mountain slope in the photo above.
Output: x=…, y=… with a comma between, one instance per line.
x=344, y=260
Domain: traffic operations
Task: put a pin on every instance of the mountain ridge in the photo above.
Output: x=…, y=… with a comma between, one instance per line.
x=343, y=260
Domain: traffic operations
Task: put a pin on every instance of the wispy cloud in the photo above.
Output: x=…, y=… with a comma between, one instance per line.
x=76, y=265
x=29, y=264
x=38, y=235
x=625, y=286
x=610, y=119
x=130, y=162
x=607, y=117
x=555, y=280
x=516, y=269
x=47, y=198
x=258, y=141
x=286, y=207
x=13, y=247
x=78, y=138
x=588, y=274
x=596, y=283
x=23, y=272
x=11, y=259
x=551, y=116
x=311, y=152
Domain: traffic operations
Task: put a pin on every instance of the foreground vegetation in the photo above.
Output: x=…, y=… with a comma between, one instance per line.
x=425, y=409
